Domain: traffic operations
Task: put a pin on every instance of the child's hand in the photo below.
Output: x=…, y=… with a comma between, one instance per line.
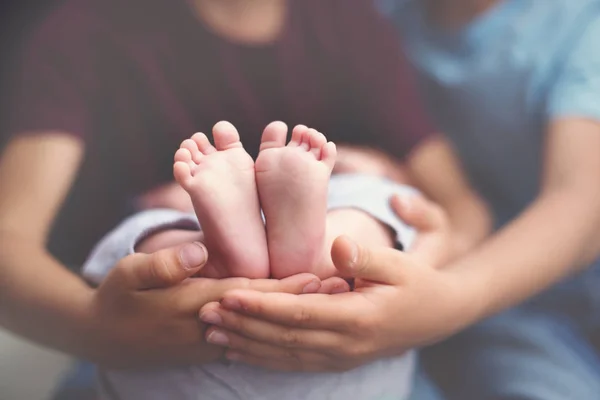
x=146, y=310
x=399, y=303
x=433, y=244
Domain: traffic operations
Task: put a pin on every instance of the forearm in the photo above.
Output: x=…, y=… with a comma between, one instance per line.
x=435, y=169
x=554, y=237
x=40, y=299
x=470, y=223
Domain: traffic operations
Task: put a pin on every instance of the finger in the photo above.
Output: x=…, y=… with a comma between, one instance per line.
x=237, y=343
x=264, y=332
x=419, y=212
x=334, y=285
x=297, y=284
x=241, y=345
x=162, y=269
x=190, y=296
x=311, y=311
x=377, y=264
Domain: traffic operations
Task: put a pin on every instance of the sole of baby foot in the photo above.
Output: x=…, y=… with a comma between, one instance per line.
x=220, y=180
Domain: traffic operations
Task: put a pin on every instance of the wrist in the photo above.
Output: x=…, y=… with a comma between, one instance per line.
x=473, y=297
x=85, y=336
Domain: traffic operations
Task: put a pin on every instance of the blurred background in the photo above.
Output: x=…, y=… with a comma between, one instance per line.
x=27, y=372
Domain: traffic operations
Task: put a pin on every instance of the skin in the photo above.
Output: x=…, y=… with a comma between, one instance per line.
x=44, y=302
x=396, y=310
x=254, y=22
x=260, y=22
x=393, y=308
x=355, y=224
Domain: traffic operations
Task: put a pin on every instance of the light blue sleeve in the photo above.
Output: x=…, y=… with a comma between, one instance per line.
x=576, y=91
x=121, y=241
x=367, y=193
x=372, y=195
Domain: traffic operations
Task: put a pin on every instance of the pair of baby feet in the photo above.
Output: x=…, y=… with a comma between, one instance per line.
x=228, y=190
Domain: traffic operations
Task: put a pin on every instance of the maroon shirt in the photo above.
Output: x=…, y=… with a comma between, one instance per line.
x=134, y=82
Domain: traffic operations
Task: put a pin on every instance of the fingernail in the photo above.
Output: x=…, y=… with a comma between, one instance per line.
x=218, y=338
x=339, y=289
x=193, y=255
x=233, y=356
x=211, y=317
x=312, y=287
x=353, y=253
x=232, y=304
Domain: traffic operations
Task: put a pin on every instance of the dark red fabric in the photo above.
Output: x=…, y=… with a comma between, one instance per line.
x=133, y=79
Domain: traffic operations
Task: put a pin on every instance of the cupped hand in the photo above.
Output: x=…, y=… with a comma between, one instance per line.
x=400, y=302
x=146, y=310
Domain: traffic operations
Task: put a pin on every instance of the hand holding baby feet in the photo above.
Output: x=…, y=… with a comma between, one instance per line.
x=221, y=182
x=293, y=183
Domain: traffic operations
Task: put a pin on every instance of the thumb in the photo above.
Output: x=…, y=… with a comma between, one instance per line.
x=161, y=269
x=419, y=212
x=378, y=264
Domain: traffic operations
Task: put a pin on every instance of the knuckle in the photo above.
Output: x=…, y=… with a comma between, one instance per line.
x=302, y=316
x=125, y=268
x=364, y=260
x=160, y=268
x=290, y=338
x=256, y=307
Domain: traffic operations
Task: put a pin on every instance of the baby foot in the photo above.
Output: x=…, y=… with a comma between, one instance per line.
x=221, y=183
x=292, y=184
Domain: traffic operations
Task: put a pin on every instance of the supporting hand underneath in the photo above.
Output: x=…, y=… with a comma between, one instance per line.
x=146, y=310
x=400, y=302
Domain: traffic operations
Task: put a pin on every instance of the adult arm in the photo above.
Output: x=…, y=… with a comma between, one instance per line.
x=40, y=299
x=527, y=256
x=399, y=124
x=556, y=235
x=140, y=313
x=123, y=322
x=404, y=303
x=435, y=169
